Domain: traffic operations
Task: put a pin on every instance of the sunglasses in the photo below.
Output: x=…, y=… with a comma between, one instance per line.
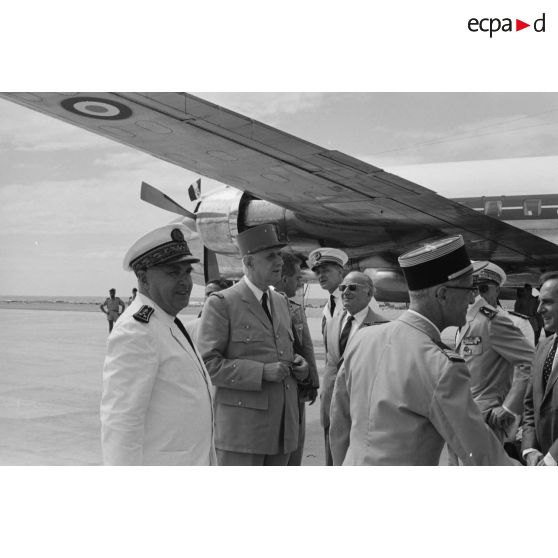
x=350, y=286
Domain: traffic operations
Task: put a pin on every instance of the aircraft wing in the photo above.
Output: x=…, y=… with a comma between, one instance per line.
x=358, y=204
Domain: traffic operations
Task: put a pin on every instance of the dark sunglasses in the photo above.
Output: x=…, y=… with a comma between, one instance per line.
x=350, y=286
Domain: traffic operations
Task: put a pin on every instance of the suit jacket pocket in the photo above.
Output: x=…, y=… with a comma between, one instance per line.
x=242, y=399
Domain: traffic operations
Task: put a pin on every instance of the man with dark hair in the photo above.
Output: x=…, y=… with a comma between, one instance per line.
x=289, y=284
x=540, y=424
x=246, y=340
x=157, y=399
x=408, y=394
x=111, y=307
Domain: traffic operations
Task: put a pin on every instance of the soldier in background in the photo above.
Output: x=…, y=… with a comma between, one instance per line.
x=133, y=296
x=289, y=284
x=111, y=307
x=526, y=303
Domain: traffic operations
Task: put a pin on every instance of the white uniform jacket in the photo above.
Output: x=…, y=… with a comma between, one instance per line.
x=157, y=401
x=408, y=395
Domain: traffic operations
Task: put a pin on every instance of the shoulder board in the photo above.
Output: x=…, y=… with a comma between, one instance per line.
x=144, y=314
x=294, y=302
x=218, y=295
x=452, y=355
x=513, y=313
x=488, y=312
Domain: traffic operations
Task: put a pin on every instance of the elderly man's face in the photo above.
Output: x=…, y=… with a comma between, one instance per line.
x=265, y=268
x=456, y=298
x=329, y=276
x=490, y=292
x=548, y=305
x=355, y=293
x=169, y=286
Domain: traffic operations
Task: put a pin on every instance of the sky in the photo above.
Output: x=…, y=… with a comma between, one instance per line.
x=69, y=199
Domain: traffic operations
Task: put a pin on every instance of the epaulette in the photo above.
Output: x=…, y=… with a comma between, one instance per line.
x=217, y=294
x=514, y=313
x=488, y=312
x=368, y=324
x=144, y=314
x=452, y=355
x=294, y=302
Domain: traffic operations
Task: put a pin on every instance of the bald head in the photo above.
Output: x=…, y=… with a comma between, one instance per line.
x=357, y=290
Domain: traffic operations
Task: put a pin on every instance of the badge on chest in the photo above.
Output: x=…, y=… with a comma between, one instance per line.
x=471, y=345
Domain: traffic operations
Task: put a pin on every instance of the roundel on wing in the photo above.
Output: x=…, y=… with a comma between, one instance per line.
x=96, y=107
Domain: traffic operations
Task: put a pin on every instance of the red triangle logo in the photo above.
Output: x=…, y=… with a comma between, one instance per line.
x=519, y=25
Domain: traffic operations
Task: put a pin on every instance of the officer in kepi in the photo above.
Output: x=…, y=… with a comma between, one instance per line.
x=247, y=343
x=157, y=398
x=407, y=392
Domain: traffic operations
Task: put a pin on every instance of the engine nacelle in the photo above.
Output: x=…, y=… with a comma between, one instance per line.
x=389, y=285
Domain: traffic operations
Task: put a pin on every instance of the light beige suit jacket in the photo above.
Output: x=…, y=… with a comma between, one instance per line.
x=408, y=395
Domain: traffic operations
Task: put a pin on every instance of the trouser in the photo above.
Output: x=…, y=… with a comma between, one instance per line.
x=236, y=458
x=296, y=455
x=111, y=325
x=328, y=456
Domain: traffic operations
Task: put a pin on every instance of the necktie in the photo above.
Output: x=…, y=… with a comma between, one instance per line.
x=264, y=306
x=547, y=366
x=345, y=335
x=331, y=304
x=183, y=330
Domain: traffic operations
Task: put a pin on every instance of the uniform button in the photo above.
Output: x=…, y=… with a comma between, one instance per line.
x=232, y=381
x=247, y=326
x=288, y=386
x=240, y=403
x=280, y=352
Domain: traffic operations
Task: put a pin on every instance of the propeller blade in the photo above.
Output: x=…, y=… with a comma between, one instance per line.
x=155, y=197
x=210, y=264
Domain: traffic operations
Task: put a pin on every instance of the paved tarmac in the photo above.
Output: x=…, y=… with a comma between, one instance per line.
x=50, y=388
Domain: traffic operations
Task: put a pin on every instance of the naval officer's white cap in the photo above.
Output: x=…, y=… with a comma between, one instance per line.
x=162, y=245
x=322, y=256
x=491, y=273
x=436, y=263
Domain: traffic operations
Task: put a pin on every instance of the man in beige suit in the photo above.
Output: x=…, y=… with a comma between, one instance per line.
x=407, y=392
x=356, y=290
x=246, y=340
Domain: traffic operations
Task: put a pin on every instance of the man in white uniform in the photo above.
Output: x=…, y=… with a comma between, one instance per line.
x=157, y=400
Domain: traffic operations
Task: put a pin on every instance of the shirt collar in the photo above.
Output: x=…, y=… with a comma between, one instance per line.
x=360, y=316
x=258, y=293
x=425, y=318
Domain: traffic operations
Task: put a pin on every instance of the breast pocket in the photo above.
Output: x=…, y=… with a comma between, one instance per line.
x=243, y=399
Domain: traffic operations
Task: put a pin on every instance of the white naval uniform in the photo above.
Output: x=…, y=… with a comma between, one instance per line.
x=157, y=400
